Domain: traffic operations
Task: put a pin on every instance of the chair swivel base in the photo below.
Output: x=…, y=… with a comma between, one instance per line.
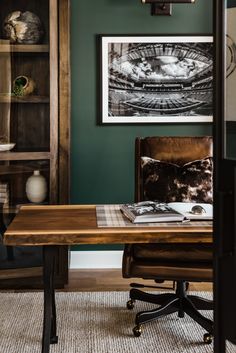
x=170, y=303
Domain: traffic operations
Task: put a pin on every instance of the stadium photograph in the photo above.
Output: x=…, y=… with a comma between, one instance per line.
x=152, y=79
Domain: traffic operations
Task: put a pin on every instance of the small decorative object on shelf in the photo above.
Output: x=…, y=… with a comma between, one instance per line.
x=23, y=28
x=23, y=86
x=6, y=146
x=36, y=187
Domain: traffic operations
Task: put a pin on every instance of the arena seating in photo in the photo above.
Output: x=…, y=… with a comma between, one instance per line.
x=160, y=78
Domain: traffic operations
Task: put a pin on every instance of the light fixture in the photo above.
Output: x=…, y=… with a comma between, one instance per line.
x=164, y=7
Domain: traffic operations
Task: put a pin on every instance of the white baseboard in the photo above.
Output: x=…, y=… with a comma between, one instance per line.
x=96, y=259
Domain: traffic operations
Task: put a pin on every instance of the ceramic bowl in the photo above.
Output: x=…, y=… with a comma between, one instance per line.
x=6, y=146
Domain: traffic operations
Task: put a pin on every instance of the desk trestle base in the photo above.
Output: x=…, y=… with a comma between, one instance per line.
x=49, y=320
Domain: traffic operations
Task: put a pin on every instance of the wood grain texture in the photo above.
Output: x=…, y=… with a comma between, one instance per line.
x=5, y=87
x=26, y=99
x=24, y=48
x=69, y=225
x=21, y=273
x=93, y=280
x=53, y=37
x=15, y=169
x=64, y=101
x=24, y=156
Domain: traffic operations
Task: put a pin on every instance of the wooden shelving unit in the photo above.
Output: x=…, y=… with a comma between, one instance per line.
x=21, y=48
x=9, y=98
x=23, y=156
x=34, y=122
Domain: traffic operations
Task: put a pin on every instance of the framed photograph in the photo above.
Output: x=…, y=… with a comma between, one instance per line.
x=156, y=79
x=230, y=84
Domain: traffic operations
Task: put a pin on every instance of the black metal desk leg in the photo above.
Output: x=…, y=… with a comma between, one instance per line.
x=49, y=320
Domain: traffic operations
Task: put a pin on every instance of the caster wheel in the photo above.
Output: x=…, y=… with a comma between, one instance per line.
x=130, y=304
x=137, y=330
x=54, y=340
x=207, y=338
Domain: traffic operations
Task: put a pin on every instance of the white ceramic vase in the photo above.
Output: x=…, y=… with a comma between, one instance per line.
x=36, y=187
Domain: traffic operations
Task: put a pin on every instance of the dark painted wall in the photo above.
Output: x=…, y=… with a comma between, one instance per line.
x=231, y=3
x=102, y=164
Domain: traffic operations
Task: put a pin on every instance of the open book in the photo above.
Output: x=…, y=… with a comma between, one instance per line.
x=150, y=211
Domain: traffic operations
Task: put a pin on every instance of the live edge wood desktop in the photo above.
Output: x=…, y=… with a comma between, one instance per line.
x=53, y=226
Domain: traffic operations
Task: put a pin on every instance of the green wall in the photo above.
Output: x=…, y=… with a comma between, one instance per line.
x=102, y=157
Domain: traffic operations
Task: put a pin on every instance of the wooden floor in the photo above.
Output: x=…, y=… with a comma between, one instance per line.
x=111, y=280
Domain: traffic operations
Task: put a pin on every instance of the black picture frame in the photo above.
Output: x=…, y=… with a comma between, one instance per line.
x=156, y=79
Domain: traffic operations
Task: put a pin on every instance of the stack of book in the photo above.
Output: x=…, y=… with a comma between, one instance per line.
x=150, y=211
x=4, y=195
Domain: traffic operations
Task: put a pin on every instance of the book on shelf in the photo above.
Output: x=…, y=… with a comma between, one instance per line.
x=151, y=211
x=4, y=195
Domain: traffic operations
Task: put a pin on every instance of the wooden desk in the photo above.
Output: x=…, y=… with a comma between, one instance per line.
x=52, y=226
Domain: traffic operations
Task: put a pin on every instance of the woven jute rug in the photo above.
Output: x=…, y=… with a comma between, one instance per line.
x=96, y=322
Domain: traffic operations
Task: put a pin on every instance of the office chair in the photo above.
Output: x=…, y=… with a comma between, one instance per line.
x=156, y=179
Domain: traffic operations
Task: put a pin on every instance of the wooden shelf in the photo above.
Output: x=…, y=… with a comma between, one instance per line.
x=4, y=98
x=20, y=273
x=18, y=169
x=23, y=48
x=24, y=156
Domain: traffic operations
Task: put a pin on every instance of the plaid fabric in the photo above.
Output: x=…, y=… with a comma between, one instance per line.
x=111, y=216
